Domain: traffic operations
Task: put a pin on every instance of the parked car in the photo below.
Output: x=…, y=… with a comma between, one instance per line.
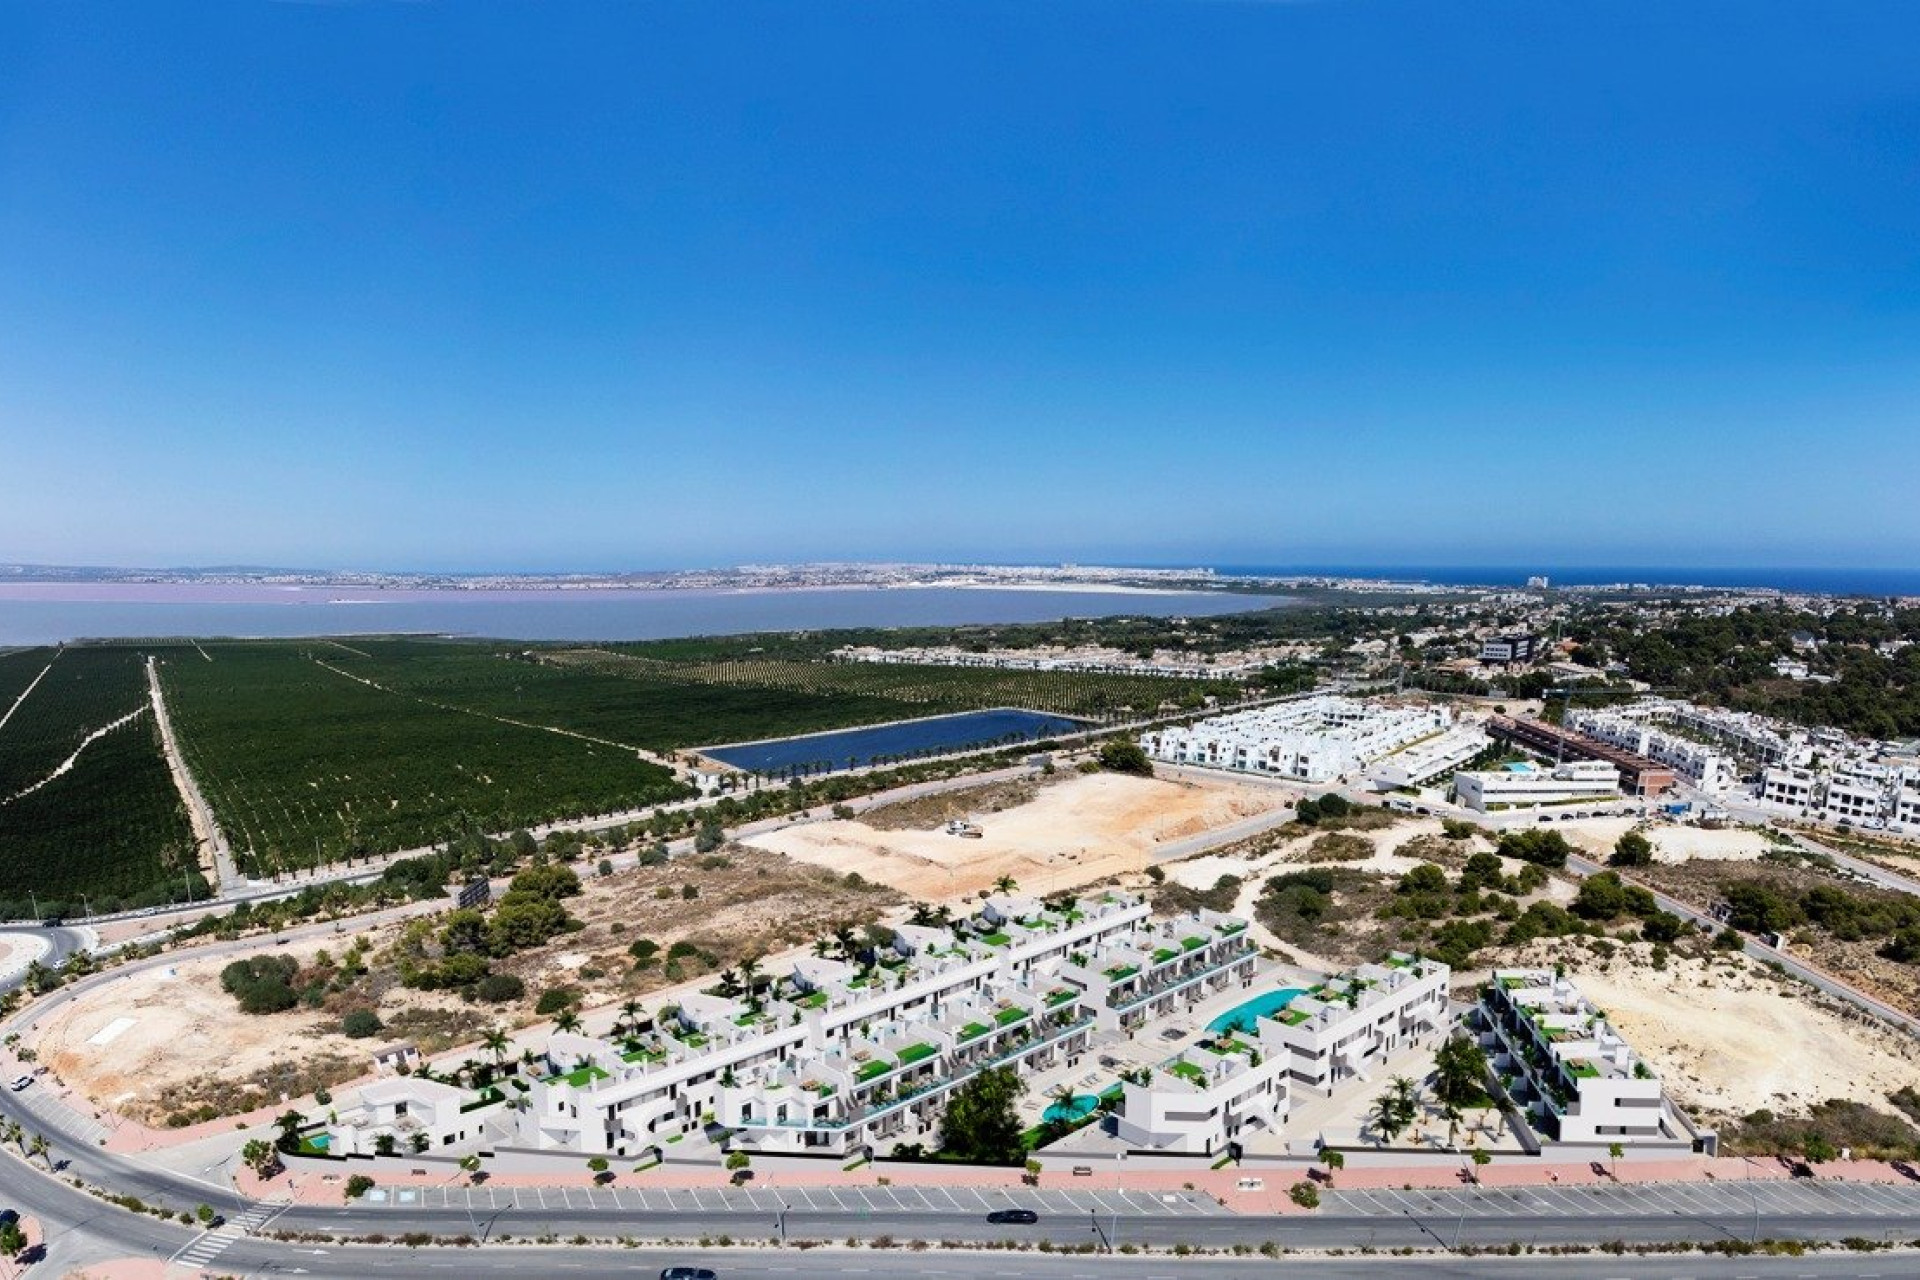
x=1025, y=1217
x=20, y=1082
x=687, y=1273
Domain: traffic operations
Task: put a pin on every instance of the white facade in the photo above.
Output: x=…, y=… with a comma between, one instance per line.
x=1314, y=739
x=418, y=1115
x=835, y=1057
x=1562, y=1060
x=1210, y=1095
x=1521, y=786
x=1430, y=758
x=1632, y=729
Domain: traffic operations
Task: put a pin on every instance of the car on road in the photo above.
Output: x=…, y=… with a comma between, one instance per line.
x=19, y=1082
x=1002, y=1217
x=687, y=1273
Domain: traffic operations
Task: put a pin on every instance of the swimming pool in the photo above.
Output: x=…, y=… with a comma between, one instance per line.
x=850, y=748
x=1081, y=1107
x=1243, y=1016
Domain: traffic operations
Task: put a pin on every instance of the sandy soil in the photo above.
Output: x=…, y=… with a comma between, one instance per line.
x=1728, y=1038
x=174, y=1024
x=168, y=1039
x=1672, y=842
x=1078, y=830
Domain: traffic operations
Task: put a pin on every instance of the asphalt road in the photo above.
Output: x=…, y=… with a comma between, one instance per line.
x=62, y=943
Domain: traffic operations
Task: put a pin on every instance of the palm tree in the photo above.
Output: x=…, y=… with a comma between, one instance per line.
x=750, y=973
x=823, y=948
x=289, y=1122
x=1006, y=884
x=844, y=940
x=1334, y=1160
x=15, y=1134
x=729, y=983
x=629, y=1017
x=569, y=1020
x=39, y=1147
x=496, y=1044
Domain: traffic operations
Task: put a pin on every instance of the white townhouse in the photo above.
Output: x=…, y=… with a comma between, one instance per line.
x=1563, y=1062
x=836, y=1056
x=1351, y=1023
x=1245, y=1078
x=417, y=1115
x=1312, y=739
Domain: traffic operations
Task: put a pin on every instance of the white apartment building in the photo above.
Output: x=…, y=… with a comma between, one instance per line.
x=416, y=1115
x=1789, y=788
x=1632, y=729
x=1314, y=739
x=834, y=1057
x=1430, y=758
x=1561, y=1060
x=1515, y=786
x=1212, y=1094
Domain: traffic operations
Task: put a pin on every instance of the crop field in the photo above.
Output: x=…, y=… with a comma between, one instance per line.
x=867, y=692
x=642, y=702
x=643, y=705
x=112, y=825
x=306, y=765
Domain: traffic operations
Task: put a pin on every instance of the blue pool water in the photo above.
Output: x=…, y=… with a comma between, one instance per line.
x=1243, y=1016
x=826, y=752
x=1081, y=1106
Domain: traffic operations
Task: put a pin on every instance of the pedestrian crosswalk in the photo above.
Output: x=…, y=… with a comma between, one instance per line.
x=208, y=1245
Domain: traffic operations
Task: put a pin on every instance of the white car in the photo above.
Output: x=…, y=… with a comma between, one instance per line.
x=20, y=1082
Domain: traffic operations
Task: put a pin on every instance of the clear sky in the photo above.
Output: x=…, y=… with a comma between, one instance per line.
x=485, y=285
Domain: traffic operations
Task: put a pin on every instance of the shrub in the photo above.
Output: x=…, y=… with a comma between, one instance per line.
x=1304, y=1194
x=497, y=988
x=361, y=1023
x=1123, y=755
x=554, y=999
x=262, y=984
x=1632, y=850
x=358, y=1185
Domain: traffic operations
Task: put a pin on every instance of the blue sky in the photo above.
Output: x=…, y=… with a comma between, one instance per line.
x=634, y=285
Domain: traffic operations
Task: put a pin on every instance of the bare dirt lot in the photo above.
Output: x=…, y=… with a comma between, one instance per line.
x=170, y=1044
x=1672, y=842
x=1072, y=831
x=1728, y=1038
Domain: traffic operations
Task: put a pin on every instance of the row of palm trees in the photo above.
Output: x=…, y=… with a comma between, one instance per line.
x=31, y=1145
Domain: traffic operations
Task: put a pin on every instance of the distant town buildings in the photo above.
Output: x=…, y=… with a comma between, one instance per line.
x=1511, y=650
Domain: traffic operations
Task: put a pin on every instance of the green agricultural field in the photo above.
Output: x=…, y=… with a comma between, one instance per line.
x=866, y=693
x=607, y=696
x=111, y=826
x=304, y=763
x=84, y=689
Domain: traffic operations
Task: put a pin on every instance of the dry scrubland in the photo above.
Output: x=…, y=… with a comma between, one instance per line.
x=169, y=1045
x=1064, y=832
x=1729, y=1037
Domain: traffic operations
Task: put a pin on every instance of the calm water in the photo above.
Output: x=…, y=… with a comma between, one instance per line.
x=862, y=746
x=1835, y=582
x=47, y=613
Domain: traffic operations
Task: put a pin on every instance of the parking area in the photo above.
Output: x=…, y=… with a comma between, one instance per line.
x=1710, y=1199
x=851, y=1200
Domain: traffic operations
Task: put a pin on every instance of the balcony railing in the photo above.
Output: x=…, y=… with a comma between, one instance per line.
x=1155, y=990
x=870, y=1111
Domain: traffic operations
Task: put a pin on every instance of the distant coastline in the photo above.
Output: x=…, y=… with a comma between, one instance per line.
x=51, y=613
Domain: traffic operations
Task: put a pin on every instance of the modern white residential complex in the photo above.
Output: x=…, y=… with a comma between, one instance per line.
x=836, y=1055
x=404, y=1115
x=1246, y=1075
x=1313, y=740
x=1430, y=759
x=1562, y=1061
x=1521, y=785
x=1634, y=728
